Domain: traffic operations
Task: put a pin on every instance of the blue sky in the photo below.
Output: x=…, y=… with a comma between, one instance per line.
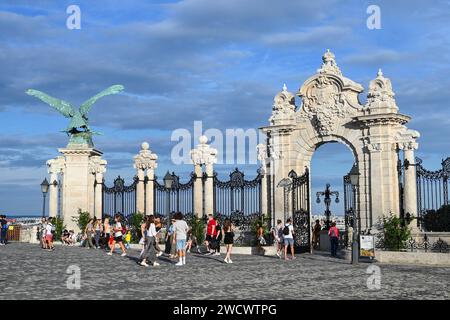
x=217, y=61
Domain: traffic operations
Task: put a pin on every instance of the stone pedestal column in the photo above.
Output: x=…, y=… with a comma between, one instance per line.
x=209, y=189
x=53, y=195
x=97, y=167
x=140, y=191
x=98, y=209
x=198, y=191
x=145, y=160
x=410, y=184
x=149, y=205
x=204, y=155
x=55, y=167
x=76, y=182
x=264, y=159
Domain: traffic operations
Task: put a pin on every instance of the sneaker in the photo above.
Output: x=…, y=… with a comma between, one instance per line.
x=123, y=254
x=144, y=264
x=217, y=253
x=179, y=263
x=109, y=254
x=278, y=255
x=230, y=261
x=159, y=254
x=155, y=264
x=225, y=260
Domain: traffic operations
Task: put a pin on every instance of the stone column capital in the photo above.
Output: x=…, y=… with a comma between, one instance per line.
x=203, y=154
x=146, y=159
x=97, y=165
x=56, y=165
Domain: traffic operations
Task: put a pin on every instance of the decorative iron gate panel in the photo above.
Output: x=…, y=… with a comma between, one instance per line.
x=178, y=198
x=301, y=211
x=432, y=192
x=238, y=199
x=119, y=198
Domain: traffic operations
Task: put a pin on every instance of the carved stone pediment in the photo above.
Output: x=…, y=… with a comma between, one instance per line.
x=329, y=99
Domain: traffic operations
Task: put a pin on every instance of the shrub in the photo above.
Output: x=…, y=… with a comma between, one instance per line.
x=198, y=229
x=395, y=234
x=135, y=222
x=437, y=220
x=59, y=227
x=82, y=220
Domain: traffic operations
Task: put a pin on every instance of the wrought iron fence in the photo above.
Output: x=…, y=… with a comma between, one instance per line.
x=422, y=245
x=119, y=198
x=432, y=195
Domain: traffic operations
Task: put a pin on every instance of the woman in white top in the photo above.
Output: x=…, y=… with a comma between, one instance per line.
x=118, y=234
x=149, y=252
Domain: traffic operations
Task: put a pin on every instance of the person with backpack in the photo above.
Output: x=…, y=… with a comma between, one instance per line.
x=118, y=236
x=288, y=235
x=277, y=233
x=316, y=234
x=4, y=230
x=333, y=233
x=180, y=229
x=49, y=230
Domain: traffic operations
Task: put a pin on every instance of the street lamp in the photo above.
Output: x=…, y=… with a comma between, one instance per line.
x=354, y=179
x=327, y=200
x=168, y=181
x=44, y=188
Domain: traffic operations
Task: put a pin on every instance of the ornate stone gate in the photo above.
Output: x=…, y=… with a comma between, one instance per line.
x=330, y=111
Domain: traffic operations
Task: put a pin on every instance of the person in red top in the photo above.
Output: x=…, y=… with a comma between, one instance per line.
x=211, y=232
x=333, y=233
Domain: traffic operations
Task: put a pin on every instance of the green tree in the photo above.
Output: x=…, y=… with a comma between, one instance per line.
x=135, y=222
x=59, y=227
x=395, y=234
x=198, y=229
x=82, y=220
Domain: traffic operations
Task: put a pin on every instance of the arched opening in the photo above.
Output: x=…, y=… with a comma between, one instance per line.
x=329, y=164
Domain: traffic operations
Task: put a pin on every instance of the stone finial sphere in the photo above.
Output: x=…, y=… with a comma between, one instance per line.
x=203, y=139
x=145, y=145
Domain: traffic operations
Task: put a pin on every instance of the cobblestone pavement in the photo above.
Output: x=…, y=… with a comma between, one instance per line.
x=27, y=272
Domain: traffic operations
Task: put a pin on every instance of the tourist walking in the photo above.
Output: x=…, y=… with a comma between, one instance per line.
x=118, y=235
x=89, y=232
x=180, y=229
x=170, y=248
x=107, y=232
x=149, y=254
x=277, y=233
x=143, y=235
x=42, y=232
x=218, y=239
x=316, y=234
x=98, y=228
x=49, y=229
x=288, y=235
x=210, y=233
x=4, y=230
x=333, y=233
x=158, y=227
x=228, y=238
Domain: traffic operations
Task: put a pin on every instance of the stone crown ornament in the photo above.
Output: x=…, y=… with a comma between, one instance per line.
x=146, y=159
x=203, y=154
x=283, y=108
x=78, y=129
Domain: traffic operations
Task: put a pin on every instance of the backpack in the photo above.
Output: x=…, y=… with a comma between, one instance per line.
x=286, y=230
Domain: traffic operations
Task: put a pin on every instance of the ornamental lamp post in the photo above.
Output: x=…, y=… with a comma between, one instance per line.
x=168, y=181
x=44, y=188
x=327, y=194
x=354, y=179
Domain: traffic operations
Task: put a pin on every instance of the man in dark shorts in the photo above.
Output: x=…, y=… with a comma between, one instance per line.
x=210, y=233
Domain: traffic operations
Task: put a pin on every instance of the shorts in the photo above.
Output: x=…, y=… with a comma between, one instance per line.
x=49, y=237
x=288, y=241
x=181, y=244
x=118, y=239
x=209, y=238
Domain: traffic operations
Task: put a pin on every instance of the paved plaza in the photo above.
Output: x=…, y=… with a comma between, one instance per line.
x=27, y=272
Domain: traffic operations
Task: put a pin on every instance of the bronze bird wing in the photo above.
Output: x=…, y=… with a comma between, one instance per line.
x=64, y=107
x=86, y=106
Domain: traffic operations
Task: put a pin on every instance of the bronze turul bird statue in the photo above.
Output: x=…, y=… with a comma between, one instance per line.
x=78, y=128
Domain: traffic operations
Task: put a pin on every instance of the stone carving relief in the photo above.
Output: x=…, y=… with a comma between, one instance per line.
x=283, y=107
x=97, y=165
x=145, y=159
x=406, y=139
x=56, y=165
x=380, y=94
x=203, y=154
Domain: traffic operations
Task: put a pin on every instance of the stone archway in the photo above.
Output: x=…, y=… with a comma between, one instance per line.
x=330, y=111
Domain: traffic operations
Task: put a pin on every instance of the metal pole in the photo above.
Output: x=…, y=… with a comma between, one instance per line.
x=43, y=205
x=355, y=246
